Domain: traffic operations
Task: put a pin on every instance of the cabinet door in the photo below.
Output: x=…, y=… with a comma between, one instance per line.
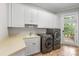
x=54, y=21
x=33, y=46
x=17, y=15
x=27, y=15
x=9, y=15
x=30, y=15
x=58, y=22
x=36, y=45
x=41, y=20
x=34, y=15
x=28, y=45
x=44, y=20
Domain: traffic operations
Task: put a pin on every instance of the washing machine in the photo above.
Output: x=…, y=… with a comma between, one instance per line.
x=57, y=39
x=46, y=43
x=56, y=34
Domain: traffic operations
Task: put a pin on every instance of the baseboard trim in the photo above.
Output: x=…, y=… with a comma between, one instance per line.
x=71, y=45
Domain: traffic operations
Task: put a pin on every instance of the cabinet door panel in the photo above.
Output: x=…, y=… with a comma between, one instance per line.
x=34, y=15
x=33, y=45
x=17, y=15
x=28, y=45
x=41, y=20
x=9, y=15
x=27, y=16
x=34, y=48
x=46, y=20
x=36, y=44
x=31, y=15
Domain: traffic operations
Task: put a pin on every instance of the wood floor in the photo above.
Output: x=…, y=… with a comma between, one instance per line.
x=63, y=51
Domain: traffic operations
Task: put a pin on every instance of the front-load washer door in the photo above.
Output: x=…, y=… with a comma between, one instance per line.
x=56, y=35
x=48, y=43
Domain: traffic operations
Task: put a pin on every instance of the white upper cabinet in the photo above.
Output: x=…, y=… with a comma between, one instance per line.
x=46, y=20
x=16, y=15
x=20, y=14
x=27, y=15
x=34, y=16
x=9, y=15
x=42, y=22
x=30, y=15
x=54, y=21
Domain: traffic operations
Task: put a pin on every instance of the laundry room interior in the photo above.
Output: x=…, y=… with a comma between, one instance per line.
x=39, y=29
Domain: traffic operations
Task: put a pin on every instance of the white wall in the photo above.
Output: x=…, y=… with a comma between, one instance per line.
x=3, y=20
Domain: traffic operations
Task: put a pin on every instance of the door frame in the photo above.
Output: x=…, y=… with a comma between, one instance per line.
x=62, y=25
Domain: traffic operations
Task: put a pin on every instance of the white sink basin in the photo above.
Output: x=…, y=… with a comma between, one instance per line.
x=31, y=36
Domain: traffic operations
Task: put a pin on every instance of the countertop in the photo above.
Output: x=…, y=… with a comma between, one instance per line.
x=13, y=44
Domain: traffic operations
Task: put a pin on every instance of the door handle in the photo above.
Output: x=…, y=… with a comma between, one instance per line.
x=63, y=31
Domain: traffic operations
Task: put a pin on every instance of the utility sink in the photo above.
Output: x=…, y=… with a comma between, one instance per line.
x=31, y=36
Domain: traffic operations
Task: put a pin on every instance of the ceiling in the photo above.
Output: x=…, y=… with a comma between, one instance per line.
x=57, y=7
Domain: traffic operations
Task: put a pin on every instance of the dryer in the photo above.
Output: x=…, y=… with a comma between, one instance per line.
x=57, y=39
x=56, y=34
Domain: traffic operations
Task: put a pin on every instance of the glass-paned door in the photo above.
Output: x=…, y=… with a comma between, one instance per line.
x=70, y=29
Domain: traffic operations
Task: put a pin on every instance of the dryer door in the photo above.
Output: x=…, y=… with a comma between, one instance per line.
x=57, y=35
x=48, y=43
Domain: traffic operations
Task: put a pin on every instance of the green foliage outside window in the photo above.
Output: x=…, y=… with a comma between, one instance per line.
x=69, y=26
